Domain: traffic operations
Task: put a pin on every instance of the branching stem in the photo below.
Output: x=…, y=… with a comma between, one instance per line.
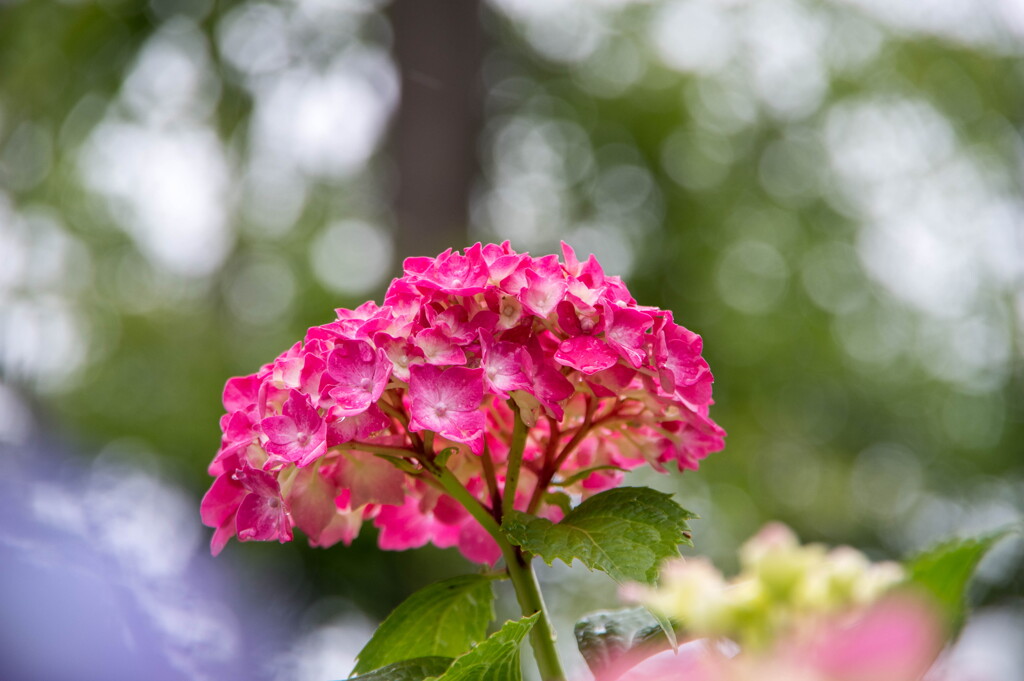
x=517, y=563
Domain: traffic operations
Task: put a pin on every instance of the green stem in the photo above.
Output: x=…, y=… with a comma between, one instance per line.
x=542, y=636
x=492, y=482
x=379, y=449
x=524, y=581
x=396, y=413
x=458, y=491
x=515, y=460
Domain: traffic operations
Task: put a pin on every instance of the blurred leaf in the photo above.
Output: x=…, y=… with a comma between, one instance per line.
x=605, y=637
x=444, y=619
x=945, y=570
x=559, y=499
x=587, y=472
x=625, y=532
x=497, y=658
x=408, y=670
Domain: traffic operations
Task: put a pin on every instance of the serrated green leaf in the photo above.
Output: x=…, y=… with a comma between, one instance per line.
x=443, y=619
x=945, y=570
x=417, y=669
x=625, y=532
x=604, y=639
x=497, y=658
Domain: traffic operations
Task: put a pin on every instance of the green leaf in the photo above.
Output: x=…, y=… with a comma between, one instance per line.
x=945, y=570
x=604, y=638
x=444, y=619
x=625, y=532
x=497, y=658
x=417, y=669
x=442, y=456
x=559, y=499
x=586, y=473
x=401, y=464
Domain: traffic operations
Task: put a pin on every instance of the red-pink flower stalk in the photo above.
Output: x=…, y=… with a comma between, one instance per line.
x=344, y=427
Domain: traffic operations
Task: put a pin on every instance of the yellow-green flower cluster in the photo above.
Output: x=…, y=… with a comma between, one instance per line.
x=782, y=584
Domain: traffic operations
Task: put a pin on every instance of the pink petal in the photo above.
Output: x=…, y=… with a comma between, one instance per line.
x=695, y=661
x=403, y=527
x=221, y=536
x=262, y=514
x=221, y=501
x=453, y=325
x=625, y=330
x=344, y=527
x=360, y=373
x=240, y=393
x=262, y=519
x=458, y=388
x=895, y=640
x=568, y=319
x=299, y=435
x=503, y=363
x=477, y=545
x=311, y=502
x=542, y=293
x=400, y=352
x=586, y=354
x=611, y=381
x=307, y=420
x=549, y=385
x=438, y=348
x=370, y=479
x=281, y=430
x=258, y=482
x=343, y=429
x=572, y=264
x=686, y=366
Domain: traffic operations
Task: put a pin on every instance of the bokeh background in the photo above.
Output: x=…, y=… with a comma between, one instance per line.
x=830, y=192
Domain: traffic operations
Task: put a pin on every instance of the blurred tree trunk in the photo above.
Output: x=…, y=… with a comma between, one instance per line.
x=438, y=45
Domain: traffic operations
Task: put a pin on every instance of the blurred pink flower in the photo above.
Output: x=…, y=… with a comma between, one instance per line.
x=895, y=639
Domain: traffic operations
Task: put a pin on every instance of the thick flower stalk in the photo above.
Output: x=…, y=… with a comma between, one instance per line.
x=485, y=382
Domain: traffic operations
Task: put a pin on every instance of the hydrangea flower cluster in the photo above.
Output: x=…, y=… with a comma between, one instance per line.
x=782, y=585
x=896, y=638
x=469, y=354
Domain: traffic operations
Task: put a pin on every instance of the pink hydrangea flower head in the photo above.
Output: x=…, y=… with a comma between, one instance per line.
x=345, y=422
